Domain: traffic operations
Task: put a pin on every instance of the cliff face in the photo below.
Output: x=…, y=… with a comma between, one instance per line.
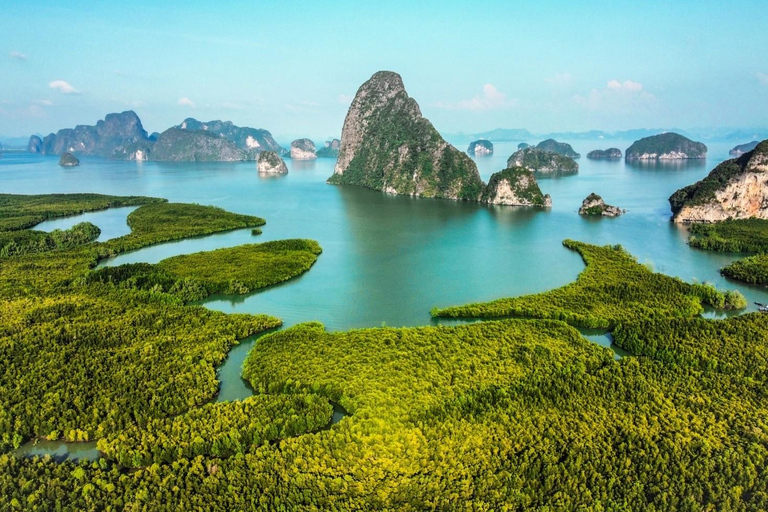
x=330, y=150
x=735, y=189
x=610, y=153
x=561, y=148
x=594, y=205
x=250, y=140
x=35, y=144
x=387, y=145
x=539, y=160
x=480, y=148
x=515, y=186
x=176, y=145
x=303, y=149
x=666, y=146
x=270, y=163
x=108, y=136
x=68, y=160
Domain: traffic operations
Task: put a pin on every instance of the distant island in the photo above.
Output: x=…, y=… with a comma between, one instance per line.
x=735, y=189
x=610, y=153
x=68, y=160
x=122, y=137
x=593, y=204
x=743, y=148
x=330, y=149
x=480, y=148
x=666, y=146
x=540, y=160
x=561, y=148
x=523, y=145
x=303, y=149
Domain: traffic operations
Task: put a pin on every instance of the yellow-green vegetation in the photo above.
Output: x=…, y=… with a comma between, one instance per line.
x=753, y=269
x=218, y=429
x=22, y=211
x=235, y=270
x=743, y=235
x=613, y=288
x=505, y=415
x=83, y=358
x=28, y=241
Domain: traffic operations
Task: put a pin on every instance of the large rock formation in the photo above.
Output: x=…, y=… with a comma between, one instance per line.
x=735, y=189
x=480, y=148
x=270, y=163
x=35, y=144
x=539, y=160
x=515, y=186
x=68, y=160
x=250, y=140
x=561, y=148
x=177, y=145
x=666, y=146
x=303, y=149
x=386, y=144
x=610, y=153
x=594, y=205
x=330, y=150
x=743, y=148
x=108, y=136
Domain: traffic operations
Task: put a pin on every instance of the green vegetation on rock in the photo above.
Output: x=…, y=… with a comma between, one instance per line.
x=515, y=186
x=613, y=288
x=666, y=146
x=742, y=235
x=541, y=160
x=561, y=148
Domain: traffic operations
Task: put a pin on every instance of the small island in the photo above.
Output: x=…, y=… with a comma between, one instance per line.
x=743, y=148
x=480, y=147
x=561, y=148
x=515, y=186
x=330, y=150
x=605, y=154
x=666, y=146
x=303, y=149
x=523, y=145
x=68, y=160
x=270, y=163
x=593, y=204
x=539, y=160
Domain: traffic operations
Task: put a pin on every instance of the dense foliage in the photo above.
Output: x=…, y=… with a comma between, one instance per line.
x=666, y=143
x=522, y=184
x=537, y=159
x=561, y=148
x=29, y=241
x=234, y=270
x=613, y=288
x=743, y=235
x=218, y=429
x=21, y=212
x=753, y=269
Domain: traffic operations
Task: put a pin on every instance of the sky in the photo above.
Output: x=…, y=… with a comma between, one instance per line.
x=293, y=67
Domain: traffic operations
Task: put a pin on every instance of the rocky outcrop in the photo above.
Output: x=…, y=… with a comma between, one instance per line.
x=252, y=141
x=480, y=148
x=610, y=153
x=68, y=160
x=330, y=150
x=735, y=189
x=303, y=149
x=561, y=148
x=387, y=145
x=104, y=139
x=177, y=145
x=539, y=160
x=523, y=145
x=666, y=146
x=594, y=205
x=35, y=144
x=515, y=186
x=743, y=148
x=270, y=163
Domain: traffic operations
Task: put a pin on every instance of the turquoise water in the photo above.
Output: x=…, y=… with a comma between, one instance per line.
x=388, y=260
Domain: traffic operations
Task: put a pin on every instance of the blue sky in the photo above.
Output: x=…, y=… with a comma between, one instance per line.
x=292, y=67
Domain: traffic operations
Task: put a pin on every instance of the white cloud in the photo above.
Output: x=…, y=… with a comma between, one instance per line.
x=63, y=86
x=344, y=99
x=17, y=55
x=618, y=97
x=186, y=102
x=762, y=77
x=490, y=99
x=44, y=103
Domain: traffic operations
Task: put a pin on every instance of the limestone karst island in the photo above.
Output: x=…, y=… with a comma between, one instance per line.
x=436, y=256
